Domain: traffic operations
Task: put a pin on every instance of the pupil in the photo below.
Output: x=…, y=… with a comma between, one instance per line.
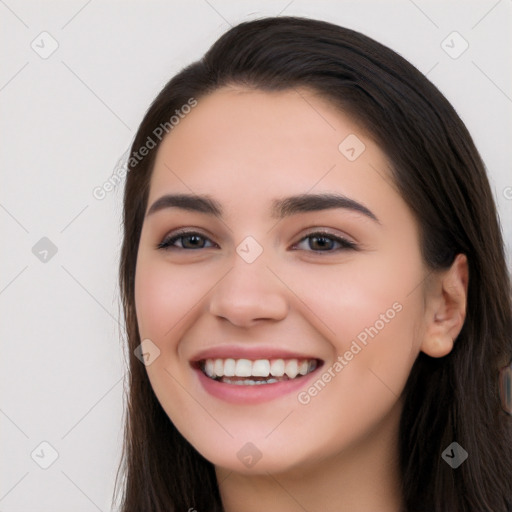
x=192, y=241
x=320, y=242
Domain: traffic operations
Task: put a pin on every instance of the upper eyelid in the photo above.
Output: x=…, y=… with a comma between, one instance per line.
x=317, y=231
x=340, y=239
x=176, y=233
x=327, y=232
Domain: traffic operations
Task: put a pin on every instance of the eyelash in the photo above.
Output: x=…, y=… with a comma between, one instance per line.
x=167, y=243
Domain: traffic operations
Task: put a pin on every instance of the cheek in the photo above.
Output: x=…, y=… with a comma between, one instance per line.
x=369, y=311
x=163, y=296
x=351, y=297
x=164, y=299
x=372, y=323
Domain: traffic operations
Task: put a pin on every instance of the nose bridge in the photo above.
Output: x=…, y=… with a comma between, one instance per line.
x=249, y=291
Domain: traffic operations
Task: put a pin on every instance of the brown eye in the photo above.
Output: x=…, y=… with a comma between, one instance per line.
x=321, y=243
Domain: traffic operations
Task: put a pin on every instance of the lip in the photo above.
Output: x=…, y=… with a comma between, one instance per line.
x=251, y=395
x=253, y=353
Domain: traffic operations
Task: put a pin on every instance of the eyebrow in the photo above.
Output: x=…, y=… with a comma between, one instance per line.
x=191, y=202
x=316, y=202
x=281, y=208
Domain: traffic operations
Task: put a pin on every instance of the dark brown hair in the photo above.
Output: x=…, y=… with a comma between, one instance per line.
x=439, y=173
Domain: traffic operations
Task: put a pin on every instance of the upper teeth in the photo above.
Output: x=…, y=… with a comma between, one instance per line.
x=259, y=368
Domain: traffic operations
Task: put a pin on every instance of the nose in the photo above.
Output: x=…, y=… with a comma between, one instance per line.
x=248, y=294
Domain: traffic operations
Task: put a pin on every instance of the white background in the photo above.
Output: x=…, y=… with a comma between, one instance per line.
x=65, y=122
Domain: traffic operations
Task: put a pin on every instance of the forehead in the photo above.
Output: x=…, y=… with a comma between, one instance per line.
x=238, y=141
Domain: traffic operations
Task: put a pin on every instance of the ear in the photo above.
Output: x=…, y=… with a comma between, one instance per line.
x=445, y=310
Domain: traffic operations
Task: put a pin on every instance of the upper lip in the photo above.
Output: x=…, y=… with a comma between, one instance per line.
x=244, y=352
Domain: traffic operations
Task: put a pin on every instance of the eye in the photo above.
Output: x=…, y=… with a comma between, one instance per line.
x=186, y=240
x=324, y=242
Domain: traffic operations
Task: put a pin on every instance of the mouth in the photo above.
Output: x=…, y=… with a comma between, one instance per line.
x=259, y=372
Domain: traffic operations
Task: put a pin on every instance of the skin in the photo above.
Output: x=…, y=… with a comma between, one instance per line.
x=245, y=148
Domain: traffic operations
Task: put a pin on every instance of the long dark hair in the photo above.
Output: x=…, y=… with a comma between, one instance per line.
x=439, y=173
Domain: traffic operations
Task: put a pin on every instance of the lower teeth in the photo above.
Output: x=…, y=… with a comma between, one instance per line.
x=251, y=382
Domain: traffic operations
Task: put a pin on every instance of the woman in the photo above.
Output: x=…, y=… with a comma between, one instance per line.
x=313, y=275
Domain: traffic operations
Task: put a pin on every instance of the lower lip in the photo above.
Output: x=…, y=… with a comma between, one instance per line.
x=255, y=394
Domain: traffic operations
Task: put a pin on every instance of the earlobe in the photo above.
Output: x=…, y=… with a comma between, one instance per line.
x=437, y=346
x=446, y=309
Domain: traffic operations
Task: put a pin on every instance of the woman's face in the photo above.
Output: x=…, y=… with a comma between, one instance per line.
x=283, y=316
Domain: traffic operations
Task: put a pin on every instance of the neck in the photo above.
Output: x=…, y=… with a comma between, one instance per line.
x=361, y=478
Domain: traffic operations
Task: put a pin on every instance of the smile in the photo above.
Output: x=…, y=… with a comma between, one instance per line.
x=246, y=372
